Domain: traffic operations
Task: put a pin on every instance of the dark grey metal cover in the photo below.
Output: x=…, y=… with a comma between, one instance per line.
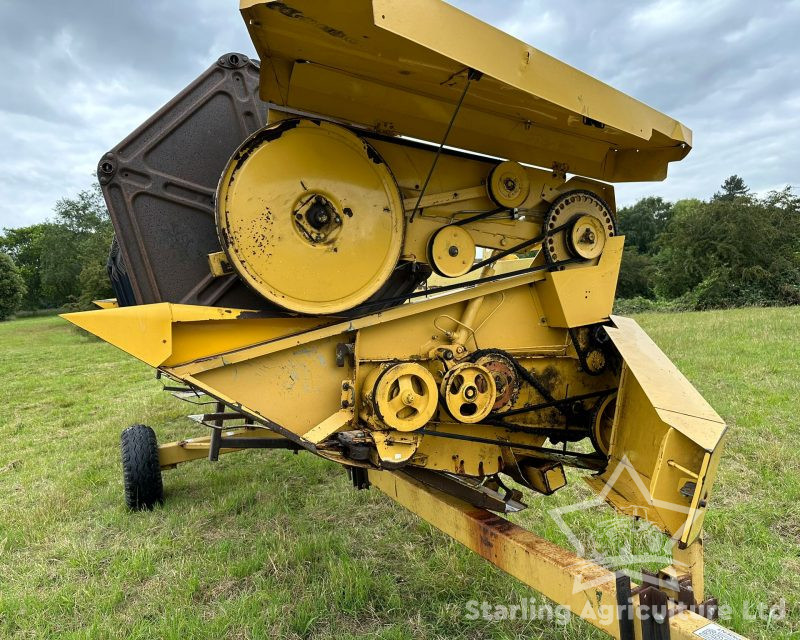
x=159, y=185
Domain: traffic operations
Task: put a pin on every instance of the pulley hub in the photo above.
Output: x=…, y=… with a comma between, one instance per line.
x=506, y=379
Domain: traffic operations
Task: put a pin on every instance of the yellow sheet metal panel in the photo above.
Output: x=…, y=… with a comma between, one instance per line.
x=666, y=442
x=677, y=402
x=296, y=388
x=582, y=296
x=171, y=334
x=142, y=331
x=375, y=63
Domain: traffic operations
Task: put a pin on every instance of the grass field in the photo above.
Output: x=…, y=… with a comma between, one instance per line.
x=268, y=544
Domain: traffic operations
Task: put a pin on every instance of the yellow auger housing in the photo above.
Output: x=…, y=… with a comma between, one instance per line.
x=339, y=285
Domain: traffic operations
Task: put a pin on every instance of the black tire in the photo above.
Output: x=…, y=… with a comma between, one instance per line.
x=118, y=275
x=141, y=472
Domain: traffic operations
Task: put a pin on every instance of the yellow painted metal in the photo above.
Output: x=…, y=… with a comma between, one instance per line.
x=375, y=63
x=575, y=213
x=315, y=215
x=690, y=561
x=603, y=423
x=451, y=251
x=587, y=237
x=448, y=197
x=172, y=334
x=654, y=468
x=577, y=297
x=501, y=267
x=108, y=303
x=328, y=427
x=508, y=185
x=469, y=392
x=404, y=396
x=420, y=316
x=586, y=588
x=267, y=368
x=661, y=432
x=394, y=449
x=310, y=216
x=546, y=478
x=218, y=264
x=171, y=454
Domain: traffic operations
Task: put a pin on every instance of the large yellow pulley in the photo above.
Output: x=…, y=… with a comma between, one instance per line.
x=405, y=396
x=603, y=424
x=310, y=216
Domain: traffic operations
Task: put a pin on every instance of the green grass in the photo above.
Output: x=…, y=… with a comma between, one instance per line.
x=268, y=544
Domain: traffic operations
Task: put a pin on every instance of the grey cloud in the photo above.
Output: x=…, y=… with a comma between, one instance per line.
x=80, y=75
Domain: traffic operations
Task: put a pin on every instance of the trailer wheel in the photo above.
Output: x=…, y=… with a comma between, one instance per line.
x=141, y=472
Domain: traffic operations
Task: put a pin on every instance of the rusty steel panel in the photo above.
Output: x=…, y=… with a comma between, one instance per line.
x=159, y=185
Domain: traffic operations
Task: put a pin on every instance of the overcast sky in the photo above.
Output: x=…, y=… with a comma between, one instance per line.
x=79, y=75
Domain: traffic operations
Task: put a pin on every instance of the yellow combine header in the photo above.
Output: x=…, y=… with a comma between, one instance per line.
x=325, y=248
x=377, y=64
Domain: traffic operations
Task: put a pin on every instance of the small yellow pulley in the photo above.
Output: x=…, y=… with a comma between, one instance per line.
x=451, y=251
x=405, y=396
x=577, y=226
x=586, y=238
x=469, y=392
x=508, y=185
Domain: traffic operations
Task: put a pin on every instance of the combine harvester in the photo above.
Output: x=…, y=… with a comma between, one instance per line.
x=289, y=249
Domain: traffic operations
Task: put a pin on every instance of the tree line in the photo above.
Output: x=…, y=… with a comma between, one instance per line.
x=60, y=263
x=735, y=249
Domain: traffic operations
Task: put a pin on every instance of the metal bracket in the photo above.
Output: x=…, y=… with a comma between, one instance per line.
x=654, y=612
x=359, y=477
x=219, y=265
x=625, y=606
x=345, y=353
